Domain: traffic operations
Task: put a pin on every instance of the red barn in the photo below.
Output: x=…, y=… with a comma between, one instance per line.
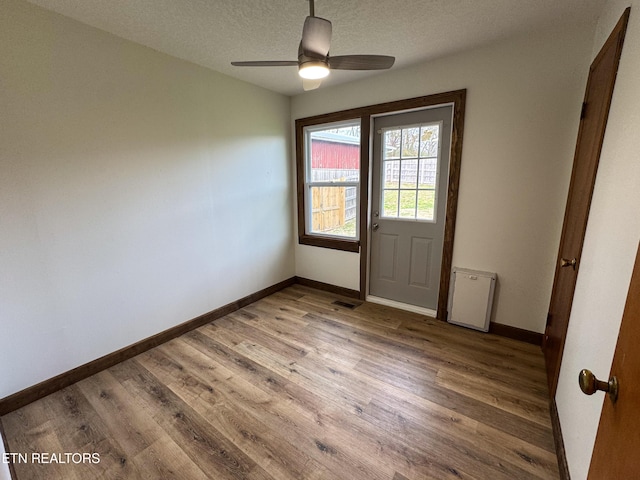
x=333, y=151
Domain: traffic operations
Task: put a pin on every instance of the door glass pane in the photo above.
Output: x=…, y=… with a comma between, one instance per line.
x=426, y=202
x=391, y=144
x=391, y=174
x=407, y=204
x=333, y=210
x=390, y=203
x=429, y=140
x=410, y=142
x=427, y=173
x=409, y=183
x=409, y=174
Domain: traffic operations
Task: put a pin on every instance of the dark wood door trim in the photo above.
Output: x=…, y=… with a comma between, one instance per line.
x=457, y=99
x=579, y=196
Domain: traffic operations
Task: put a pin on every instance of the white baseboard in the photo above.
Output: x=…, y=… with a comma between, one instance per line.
x=402, y=306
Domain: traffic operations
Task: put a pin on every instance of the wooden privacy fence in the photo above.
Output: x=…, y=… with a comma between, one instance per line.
x=328, y=208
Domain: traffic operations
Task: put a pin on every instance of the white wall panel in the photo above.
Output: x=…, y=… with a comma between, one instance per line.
x=137, y=191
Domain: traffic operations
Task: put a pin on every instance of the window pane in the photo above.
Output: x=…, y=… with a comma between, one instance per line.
x=409, y=174
x=410, y=142
x=429, y=140
x=426, y=201
x=390, y=203
x=335, y=154
x=407, y=204
x=391, y=142
x=409, y=183
x=333, y=210
x=427, y=173
x=391, y=178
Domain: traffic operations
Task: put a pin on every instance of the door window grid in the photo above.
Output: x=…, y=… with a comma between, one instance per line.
x=409, y=173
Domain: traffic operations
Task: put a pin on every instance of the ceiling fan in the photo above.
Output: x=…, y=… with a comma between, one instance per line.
x=314, y=61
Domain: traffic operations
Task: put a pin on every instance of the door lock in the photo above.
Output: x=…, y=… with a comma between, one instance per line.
x=375, y=227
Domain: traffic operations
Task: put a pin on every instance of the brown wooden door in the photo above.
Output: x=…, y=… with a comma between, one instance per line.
x=615, y=454
x=593, y=120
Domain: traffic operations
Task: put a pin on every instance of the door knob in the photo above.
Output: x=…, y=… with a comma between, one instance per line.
x=375, y=227
x=589, y=384
x=565, y=262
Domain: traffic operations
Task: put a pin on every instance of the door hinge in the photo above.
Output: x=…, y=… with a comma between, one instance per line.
x=549, y=317
x=583, y=112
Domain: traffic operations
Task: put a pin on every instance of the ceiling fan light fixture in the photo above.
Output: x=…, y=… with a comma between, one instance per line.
x=313, y=70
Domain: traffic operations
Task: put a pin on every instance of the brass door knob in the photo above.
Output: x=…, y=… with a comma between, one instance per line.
x=565, y=262
x=589, y=384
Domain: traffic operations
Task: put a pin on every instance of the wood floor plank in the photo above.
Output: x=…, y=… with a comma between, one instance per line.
x=135, y=430
x=517, y=426
x=301, y=339
x=278, y=452
x=442, y=421
x=32, y=442
x=296, y=413
x=508, y=399
x=310, y=379
x=390, y=338
x=476, y=409
x=469, y=458
x=165, y=459
x=276, y=456
x=203, y=444
x=295, y=386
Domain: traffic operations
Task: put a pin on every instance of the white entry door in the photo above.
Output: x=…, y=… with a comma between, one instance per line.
x=409, y=193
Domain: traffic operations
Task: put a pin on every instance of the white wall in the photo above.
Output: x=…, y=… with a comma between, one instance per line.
x=137, y=191
x=609, y=251
x=5, y=474
x=523, y=102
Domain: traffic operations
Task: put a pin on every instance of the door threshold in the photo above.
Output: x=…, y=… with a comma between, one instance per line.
x=402, y=306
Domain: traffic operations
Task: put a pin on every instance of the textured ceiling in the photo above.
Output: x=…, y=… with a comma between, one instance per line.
x=212, y=33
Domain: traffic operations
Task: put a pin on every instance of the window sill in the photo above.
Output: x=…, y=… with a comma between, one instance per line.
x=333, y=243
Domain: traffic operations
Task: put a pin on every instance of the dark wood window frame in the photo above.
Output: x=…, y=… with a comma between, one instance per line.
x=317, y=239
x=456, y=98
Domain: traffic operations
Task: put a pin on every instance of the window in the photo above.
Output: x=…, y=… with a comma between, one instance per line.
x=409, y=172
x=331, y=184
x=410, y=192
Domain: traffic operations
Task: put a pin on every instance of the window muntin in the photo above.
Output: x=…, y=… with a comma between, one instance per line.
x=410, y=171
x=332, y=180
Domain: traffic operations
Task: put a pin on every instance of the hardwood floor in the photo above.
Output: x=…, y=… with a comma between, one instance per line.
x=296, y=387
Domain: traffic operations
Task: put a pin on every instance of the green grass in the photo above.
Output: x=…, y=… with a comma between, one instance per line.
x=425, y=203
x=346, y=230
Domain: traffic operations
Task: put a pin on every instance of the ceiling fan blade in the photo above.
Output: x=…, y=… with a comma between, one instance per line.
x=361, y=62
x=316, y=37
x=308, y=84
x=267, y=63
